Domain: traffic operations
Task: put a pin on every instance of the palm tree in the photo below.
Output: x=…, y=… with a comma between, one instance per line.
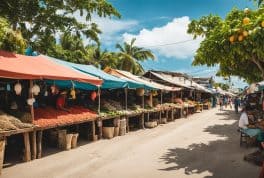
x=101, y=58
x=130, y=57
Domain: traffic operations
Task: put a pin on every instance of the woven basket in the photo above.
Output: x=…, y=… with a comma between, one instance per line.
x=151, y=124
x=108, y=132
x=74, y=140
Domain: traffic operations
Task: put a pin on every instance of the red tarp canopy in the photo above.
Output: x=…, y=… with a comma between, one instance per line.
x=16, y=66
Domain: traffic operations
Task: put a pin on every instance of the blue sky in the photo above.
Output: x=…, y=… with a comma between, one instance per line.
x=158, y=22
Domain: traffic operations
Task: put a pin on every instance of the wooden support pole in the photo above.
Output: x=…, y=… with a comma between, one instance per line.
x=148, y=117
x=142, y=121
x=33, y=145
x=161, y=97
x=127, y=124
x=172, y=97
x=181, y=95
x=100, y=128
x=126, y=98
x=93, y=131
x=172, y=114
x=143, y=102
x=39, y=144
x=160, y=114
x=99, y=100
x=2, y=153
x=151, y=99
x=27, y=152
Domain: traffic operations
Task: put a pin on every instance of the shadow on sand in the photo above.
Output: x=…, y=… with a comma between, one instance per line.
x=223, y=157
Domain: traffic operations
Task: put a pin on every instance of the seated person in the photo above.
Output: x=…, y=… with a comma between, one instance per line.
x=244, y=126
x=61, y=101
x=243, y=120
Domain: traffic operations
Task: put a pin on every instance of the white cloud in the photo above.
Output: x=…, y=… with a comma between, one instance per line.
x=111, y=27
x=173, y=32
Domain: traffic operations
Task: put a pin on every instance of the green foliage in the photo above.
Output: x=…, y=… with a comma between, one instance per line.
x=224, y=86
x=40, y=20
x=10, y=40
x=130, y=56
x=235, y=46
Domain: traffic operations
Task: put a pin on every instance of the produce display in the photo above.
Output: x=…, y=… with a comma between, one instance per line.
x=47, y=117
x=176, y=105
x=190, y=102
x=135, y=109
x=111, y=108
x=8, y=122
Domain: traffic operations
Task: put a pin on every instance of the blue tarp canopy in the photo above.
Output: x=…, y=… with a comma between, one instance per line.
x=110, y=81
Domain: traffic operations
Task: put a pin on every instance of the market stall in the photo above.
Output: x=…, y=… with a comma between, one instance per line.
x=24, y=89
x=112, y=90
x=176, y=80
x=155, y=111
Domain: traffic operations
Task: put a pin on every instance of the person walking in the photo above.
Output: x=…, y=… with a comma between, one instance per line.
x=230, y=102
x=236, y=102
x=221, y=103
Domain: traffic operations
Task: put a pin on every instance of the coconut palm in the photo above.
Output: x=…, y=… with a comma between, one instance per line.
x=101, y=58
x=130, y=57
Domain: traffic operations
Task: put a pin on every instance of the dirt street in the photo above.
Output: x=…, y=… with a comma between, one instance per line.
x=204, y=145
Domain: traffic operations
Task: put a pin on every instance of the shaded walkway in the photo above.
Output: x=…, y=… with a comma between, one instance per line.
x=223, y=158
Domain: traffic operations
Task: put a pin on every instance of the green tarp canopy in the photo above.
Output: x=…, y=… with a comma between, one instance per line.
x=109, y=81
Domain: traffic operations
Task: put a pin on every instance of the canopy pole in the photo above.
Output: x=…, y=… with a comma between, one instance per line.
x=172, y=96
x=30, y=94
x=143, y=102
x=99, y=100
x=126, y=98
x=181, y=94
x=161, y=97
x=151, y=99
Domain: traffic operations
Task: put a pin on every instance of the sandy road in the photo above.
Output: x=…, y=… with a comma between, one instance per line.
x=204, y=145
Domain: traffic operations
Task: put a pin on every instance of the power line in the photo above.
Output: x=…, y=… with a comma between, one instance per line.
x=168, y=44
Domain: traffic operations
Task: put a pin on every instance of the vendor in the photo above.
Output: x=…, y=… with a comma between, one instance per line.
x=243, y=120
x=61, y=101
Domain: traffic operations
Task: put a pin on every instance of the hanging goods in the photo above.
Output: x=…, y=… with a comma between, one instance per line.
x=18, y=88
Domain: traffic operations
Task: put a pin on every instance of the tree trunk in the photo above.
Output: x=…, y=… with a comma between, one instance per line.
x=259, y=65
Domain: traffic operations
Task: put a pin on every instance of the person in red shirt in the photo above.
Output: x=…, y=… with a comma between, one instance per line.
x=61, y=101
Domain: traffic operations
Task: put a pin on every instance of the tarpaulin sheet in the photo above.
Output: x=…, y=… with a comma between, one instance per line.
x=109, y=81
x=16, y=66
x=146, y=82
